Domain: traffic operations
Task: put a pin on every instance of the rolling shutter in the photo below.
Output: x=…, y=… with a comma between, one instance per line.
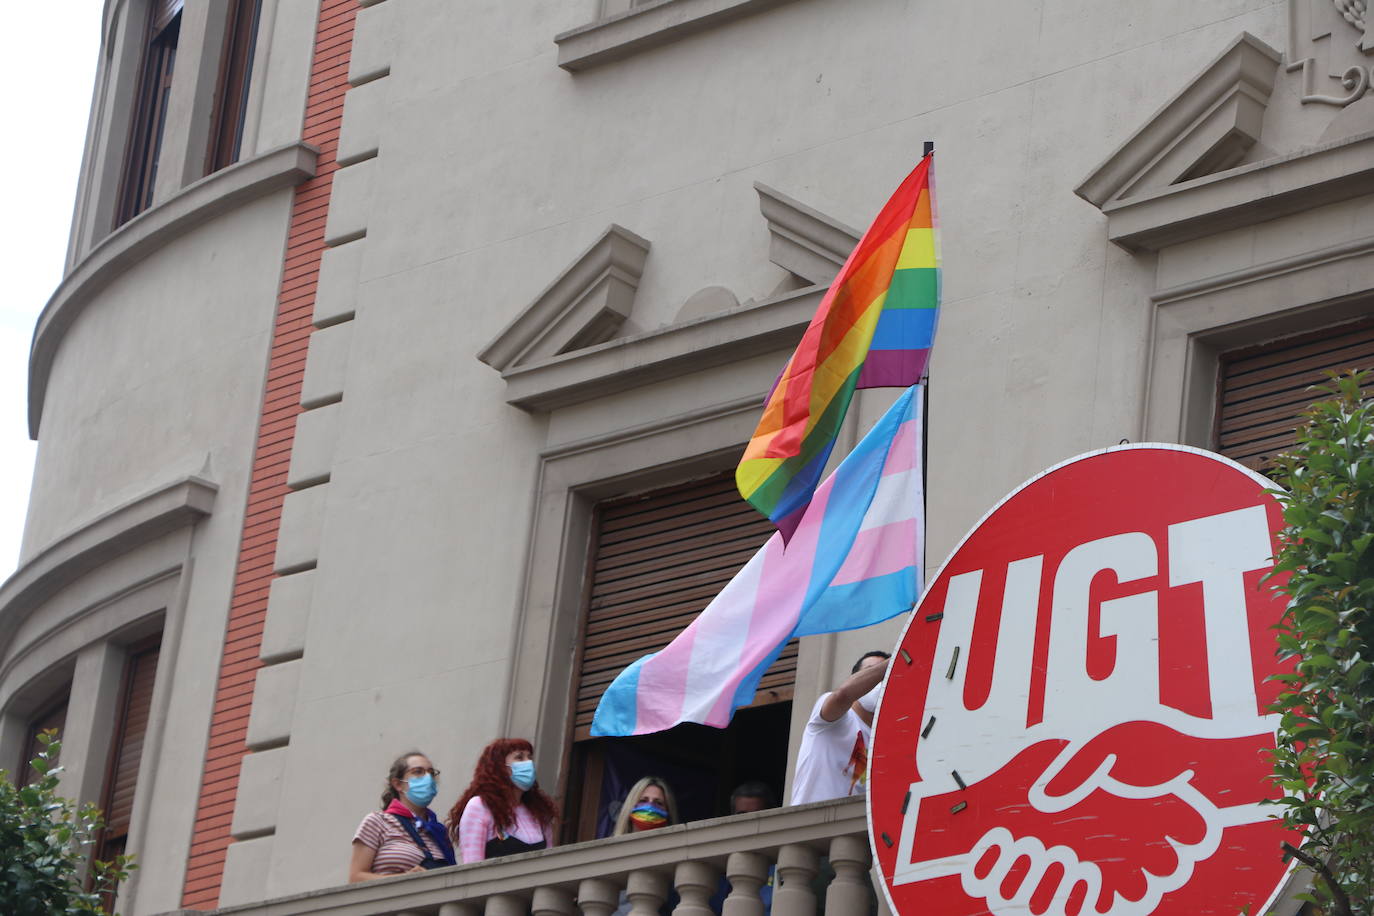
x=657, y=560
x=1263, y=390
x=130, y=729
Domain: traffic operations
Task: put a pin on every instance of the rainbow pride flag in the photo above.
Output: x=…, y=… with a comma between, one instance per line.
x=854, y=561
x=874, y=329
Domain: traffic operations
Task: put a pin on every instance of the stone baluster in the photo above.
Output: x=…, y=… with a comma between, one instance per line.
x=849, y=893
x=696, y=883
x=876, y=878
x=747, y=872
x=597, y=897
x=797, y=867
x=552, y=901
x=505, y=905
x=646, y=890
x=465, y=908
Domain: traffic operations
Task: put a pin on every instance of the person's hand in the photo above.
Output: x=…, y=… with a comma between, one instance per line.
x=414, y=869
x=1098, y=827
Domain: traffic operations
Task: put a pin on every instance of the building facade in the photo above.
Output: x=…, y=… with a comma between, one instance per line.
x=406, y=346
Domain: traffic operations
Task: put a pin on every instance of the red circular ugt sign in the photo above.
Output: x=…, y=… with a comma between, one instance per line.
x=1074, y=721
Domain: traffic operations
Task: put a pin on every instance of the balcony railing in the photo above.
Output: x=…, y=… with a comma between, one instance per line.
x=588, y=879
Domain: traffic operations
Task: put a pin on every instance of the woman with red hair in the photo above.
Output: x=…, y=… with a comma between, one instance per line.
x=502, y=812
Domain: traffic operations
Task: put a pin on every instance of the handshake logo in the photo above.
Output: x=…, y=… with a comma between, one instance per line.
x=1095, y=833
x=1052, y=777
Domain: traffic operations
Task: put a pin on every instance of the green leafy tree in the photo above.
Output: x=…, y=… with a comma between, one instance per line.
x=1324, y=762
x=44, y=842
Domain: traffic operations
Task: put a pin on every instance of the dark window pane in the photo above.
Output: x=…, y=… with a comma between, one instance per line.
x=150, y=115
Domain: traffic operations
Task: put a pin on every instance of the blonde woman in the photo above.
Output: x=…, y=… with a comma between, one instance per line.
x=648, y=805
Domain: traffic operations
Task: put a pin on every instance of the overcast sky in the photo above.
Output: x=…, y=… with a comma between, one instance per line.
x=46, y=77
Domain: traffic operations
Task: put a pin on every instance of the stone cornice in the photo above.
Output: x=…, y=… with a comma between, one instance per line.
x=199, y=202
x=645, y=26
x=663, y=354
x=175, y=505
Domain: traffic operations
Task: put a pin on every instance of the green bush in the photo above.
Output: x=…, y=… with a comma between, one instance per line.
x=44, y=842
x=1324, y=762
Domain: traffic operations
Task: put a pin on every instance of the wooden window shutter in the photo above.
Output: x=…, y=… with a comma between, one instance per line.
x=127, y=750
x=657, y=560
x=1263, y=390
x=53, y=717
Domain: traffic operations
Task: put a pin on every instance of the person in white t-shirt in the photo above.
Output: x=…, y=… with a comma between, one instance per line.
x=833, y=759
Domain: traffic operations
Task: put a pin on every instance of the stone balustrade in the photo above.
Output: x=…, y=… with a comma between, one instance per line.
x=588, y=879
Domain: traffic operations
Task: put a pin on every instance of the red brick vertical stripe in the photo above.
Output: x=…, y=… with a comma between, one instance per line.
x=271, y=457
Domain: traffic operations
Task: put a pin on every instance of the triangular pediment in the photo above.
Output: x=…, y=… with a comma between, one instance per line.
x=585, y=305
x=572, y=343
x=802, y=240
x=1206, y=128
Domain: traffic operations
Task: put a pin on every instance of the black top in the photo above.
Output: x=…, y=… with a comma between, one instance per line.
x=509, y=846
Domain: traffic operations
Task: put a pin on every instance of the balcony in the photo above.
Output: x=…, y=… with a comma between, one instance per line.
x=587, y=879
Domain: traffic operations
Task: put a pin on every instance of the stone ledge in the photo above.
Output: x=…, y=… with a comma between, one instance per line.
x=198, y=203
x=167, y=508
x=647, y=26
x=751, y=329
x=1244, y=196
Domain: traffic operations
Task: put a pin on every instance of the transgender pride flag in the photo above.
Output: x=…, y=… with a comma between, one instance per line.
x=853, y=560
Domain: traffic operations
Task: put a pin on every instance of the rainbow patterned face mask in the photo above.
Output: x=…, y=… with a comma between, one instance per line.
x=648, y=816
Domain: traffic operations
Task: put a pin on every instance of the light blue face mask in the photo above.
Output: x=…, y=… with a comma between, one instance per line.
x=522, y=773
x=421, y=790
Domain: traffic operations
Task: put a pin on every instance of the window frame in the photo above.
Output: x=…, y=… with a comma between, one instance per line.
x=38, y=722
x=149, y=117
x=230, y=114
x=583, y=760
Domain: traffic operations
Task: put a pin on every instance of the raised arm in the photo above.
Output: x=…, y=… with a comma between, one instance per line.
x=854, y=686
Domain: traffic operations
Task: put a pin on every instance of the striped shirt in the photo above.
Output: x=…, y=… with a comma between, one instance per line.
x=477, y=826
x=394, y=850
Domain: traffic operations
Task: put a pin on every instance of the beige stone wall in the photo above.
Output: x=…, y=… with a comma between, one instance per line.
x=495, y=169
x=448, y=538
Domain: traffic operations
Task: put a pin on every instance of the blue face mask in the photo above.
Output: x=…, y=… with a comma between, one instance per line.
x=522, y=773
x=421, y=790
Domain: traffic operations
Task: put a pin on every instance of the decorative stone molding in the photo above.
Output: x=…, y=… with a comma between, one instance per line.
x=1329, y=42
x=586, y=305
x=350, y=202
x=1206, y=128
x=715, y=340
x=178, y=504
x=646, y=25
x=804, y=241
x=709, y=300
x=1244, y=196
x=198, y=203
x=1196, y=321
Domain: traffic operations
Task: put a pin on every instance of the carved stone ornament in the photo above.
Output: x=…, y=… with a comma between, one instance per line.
x=1330, y=43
